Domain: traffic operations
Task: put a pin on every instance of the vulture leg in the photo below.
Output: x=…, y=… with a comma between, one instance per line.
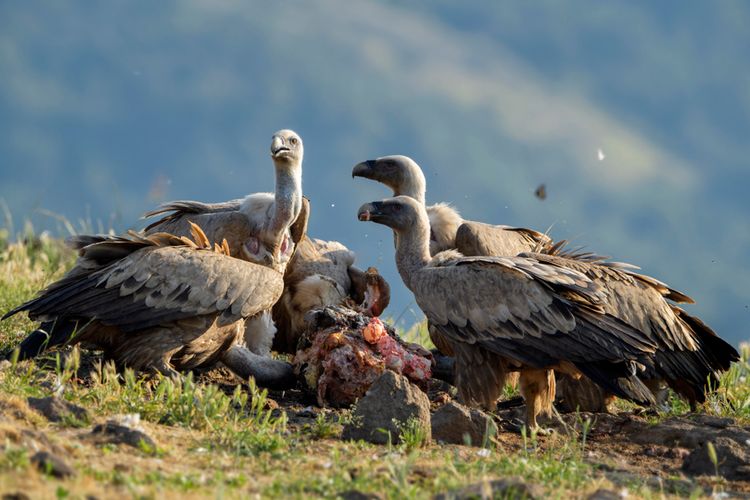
x=537, y=387
x=267, y=372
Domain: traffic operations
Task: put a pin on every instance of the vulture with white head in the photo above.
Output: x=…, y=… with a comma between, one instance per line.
x=157, y=303
x=689, y=356
x=513, y=313
x=252, y=225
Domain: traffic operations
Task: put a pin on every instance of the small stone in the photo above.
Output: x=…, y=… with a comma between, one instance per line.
x=605, y=494
x=390, y=402
x=307, y=412
x=733, y=462
x=457, y=424
x=56, y=409
x=117, y=432
x=16, y=495
x=358, y=495
x=498, y=488
x=4, y=364
x=51, y=464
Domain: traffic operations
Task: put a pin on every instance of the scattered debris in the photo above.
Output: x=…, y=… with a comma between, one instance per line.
x=124, y=430
x=541, y=192
x=390, y=403
x=456, y=424
x=343, y=352
x=497, y=488
x=51, y=464
x=56, y=409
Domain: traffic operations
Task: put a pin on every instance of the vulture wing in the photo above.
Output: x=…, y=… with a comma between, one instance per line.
x=176, y=210
x=478, y=238
x=160, y=279
x=536, y=313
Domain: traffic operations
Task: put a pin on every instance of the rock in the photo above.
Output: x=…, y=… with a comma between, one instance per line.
x=307, y=412
x=56, y=409
x=604, y=494
x=358, y=495
x=4, y=364
x=389, y=404
x=689, y=433
x=457, y=424
x=16, y=495
x=733, y=460
x=52, y=465
x=125, y=430
x=498, y=488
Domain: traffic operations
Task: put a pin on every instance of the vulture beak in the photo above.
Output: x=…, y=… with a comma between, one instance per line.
x=278, y=148
x=372, y=211
x=365, y=169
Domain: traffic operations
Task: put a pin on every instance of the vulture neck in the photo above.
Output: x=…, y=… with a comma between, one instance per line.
x=288, y=197
x=413, y=187
x=413, y=249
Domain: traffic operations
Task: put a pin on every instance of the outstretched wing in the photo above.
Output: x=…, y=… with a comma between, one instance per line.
x=155, y=284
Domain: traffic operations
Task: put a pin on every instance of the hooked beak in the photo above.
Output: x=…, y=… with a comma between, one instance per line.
x=279, y=148
x=365, y=169
x=371, y=212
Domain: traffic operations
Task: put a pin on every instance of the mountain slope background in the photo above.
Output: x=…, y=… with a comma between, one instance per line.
x=107, y=109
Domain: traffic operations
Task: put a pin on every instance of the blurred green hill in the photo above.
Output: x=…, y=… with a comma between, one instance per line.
x=107, y=109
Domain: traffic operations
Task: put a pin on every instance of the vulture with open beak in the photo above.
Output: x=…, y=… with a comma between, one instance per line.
x=690, y=355
x=503, y=314
x=252, y=225
x=157, y=303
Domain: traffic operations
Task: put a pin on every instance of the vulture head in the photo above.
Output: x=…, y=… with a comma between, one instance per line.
x=401, y=213
x=286, y=149
x=400, y=173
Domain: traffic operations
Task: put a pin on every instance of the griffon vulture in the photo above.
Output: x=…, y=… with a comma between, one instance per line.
x=157, y=303
x=447, y=229
x=503, y=314
x=689, y=354
x=322, y=273
x=252, y=225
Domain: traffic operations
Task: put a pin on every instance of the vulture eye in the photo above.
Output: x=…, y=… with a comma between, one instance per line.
x=293, y=140
x=397, y=208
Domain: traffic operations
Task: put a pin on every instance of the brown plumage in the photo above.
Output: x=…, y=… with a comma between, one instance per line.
x=159, y=302
x=513, y=313
x=262, y=227
x=689, y=355
x=266, y=228
x=321, y=273
x=448, y=230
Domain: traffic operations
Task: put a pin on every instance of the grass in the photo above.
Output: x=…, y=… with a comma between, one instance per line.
x=216, y=442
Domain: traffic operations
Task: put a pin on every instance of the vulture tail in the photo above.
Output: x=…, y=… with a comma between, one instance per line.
x=616, y=379
x=46, y=336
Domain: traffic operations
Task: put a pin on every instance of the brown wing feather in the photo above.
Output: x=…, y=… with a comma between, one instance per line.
x=156, y=284
x=477, y=238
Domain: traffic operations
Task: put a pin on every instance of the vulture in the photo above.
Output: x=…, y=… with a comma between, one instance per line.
x=447, y=229
x=318, y=273
x=322, y=273
x=516, y=313
x=158, y=303
x=689, y=356
x=251, y=225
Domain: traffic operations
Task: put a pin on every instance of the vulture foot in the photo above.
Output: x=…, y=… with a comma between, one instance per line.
x=442, y=367
x=267, y=372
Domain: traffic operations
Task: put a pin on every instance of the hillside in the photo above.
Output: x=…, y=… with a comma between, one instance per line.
x=109, y=109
